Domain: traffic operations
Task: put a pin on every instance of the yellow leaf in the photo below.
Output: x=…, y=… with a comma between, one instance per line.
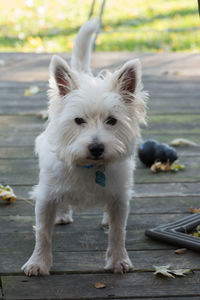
x=7, y=194
x=194, y=210
x=32, y=90
x=99, y=285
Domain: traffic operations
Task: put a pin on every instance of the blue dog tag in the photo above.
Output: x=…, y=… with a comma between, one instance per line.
x=100, y=178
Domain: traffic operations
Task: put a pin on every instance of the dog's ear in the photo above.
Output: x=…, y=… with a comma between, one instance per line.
x=127, y=79
x=62, y=74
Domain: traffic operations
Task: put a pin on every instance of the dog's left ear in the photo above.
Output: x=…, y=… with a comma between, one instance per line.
x=62, y=74
x=127, y=79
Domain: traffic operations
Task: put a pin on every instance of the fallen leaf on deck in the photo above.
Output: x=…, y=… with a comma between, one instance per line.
x=31, y=91
x=176, y=167
x=165, y=167
x=163, y=270
x=181, y=272
x=182, y=142
x=99, y=285
x=43, y=114
x=196, y=232
x=194, y=210
x=166, y=271
x=7, y=194
x=180, y=251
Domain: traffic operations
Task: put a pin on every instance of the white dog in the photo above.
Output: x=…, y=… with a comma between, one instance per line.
x=86, y=153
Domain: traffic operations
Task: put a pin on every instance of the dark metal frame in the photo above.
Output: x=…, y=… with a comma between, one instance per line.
x=177, y=232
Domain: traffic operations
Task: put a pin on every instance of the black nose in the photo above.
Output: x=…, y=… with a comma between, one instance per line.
x=96, y=149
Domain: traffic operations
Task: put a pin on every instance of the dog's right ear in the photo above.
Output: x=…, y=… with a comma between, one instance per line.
x=63, y=75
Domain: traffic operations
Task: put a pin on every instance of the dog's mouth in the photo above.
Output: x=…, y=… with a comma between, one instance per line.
x=94, y=158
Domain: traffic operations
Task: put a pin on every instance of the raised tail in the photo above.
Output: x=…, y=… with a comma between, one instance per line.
x=80, y=59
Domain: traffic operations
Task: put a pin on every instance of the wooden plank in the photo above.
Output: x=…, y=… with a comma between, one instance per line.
x=34, y=66
x=93, y=262
x=17, y=152
x=74, y=286
x=138, y=205
x=176, y=96
x=28, y=152
x=153, y=190
x=187, y=189
x=25, y=172
x=85, y=234
x=87, y=222
x=83, y=241
x=22, y=130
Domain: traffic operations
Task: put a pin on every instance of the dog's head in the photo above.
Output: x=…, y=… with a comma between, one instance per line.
x=94, y=119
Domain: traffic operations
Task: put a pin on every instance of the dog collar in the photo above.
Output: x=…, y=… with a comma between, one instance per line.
x=86, y=166
x=100, y=177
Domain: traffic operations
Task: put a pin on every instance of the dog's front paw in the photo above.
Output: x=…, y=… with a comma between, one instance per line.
x=118, y=263
x=36, y=268
x=63, y=219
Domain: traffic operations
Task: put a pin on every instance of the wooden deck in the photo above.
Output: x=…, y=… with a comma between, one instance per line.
x=174, y=111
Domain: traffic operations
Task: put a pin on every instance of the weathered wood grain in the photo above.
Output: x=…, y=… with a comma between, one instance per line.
x=17, y=152
x=93, y=262
x=85, y=234
x=25, y=172
x=153, y=190
x=167, y=95
x=138, y=205
x=87, y=223
x=78, y=241
x=186, y=189
x=28, y=152
x=22, y=130
x=33, y=67
x=75, y=286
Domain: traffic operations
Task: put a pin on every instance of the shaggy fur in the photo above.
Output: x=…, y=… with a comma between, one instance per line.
x=92, y=131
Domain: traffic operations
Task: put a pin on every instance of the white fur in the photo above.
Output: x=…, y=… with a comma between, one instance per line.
x=63, y=151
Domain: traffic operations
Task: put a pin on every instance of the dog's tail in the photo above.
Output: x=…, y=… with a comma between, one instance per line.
x=80, y=60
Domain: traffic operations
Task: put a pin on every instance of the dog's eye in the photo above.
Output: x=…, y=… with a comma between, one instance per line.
x=111, y=121
x=79, y=121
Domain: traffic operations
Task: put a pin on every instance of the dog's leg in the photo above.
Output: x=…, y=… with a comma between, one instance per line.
x=40, y=261
x=117, y=259
x=63, y=216
x=105, y=221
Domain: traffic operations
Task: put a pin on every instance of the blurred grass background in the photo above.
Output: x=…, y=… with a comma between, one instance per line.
x=128, y=25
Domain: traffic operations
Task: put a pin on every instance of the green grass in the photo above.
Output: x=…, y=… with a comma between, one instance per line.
x=137, y=25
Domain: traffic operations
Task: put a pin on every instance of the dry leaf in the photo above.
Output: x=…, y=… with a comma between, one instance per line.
x=163, y=270
x=159, y=166
x=99, y=285
x=7, y=194
x=182, y=142
x=176, y=167
x=32, y=90
x=166, y=271
x=43, y=114
x=180, y=251
x=196, y=232
x=194, y=210
x=165, y=167
x=181, y=272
